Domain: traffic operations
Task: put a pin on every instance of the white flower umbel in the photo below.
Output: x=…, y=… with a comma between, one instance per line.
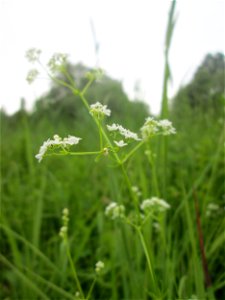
x=153, y=127
x=57, y=61
x=166, y=127
x=57, y=142
x=126, y=133
x=120, y=144
x=32, y=75
x=99, y=266
x=114, y=211
x=155, y=204
x=99, y=111
x=33, y=55
x=150, y=128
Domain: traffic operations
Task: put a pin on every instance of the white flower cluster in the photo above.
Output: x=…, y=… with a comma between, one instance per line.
x=98, y=74
x=99, y=266
x=155, y=204
x=32, y=75
x=33, y=55
x=126, y=133
x=99, y=111
x=57, y=60
x=114, y=211
x=65, y=218
x=153, y=127
x=55, y=143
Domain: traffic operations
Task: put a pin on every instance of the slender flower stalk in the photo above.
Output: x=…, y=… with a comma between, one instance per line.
x=150, y=266
x=63, y=233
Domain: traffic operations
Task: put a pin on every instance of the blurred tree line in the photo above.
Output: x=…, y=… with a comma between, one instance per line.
x=203, y=94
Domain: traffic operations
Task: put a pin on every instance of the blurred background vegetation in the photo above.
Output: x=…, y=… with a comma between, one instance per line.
x=33, y=195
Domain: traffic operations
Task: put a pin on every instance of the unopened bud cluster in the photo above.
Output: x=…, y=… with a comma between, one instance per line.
x=99, y=266
x=136, y=190
x=65, y=220
x=115, y=211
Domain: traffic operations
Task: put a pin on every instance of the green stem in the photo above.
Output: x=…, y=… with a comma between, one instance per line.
x=102, y=130
x=154, y=176
x=58, y=81
x=100, y=135
x=73, y=269
x=133, y=196
x=87, y=86
x=132, y=151
x=91, y=288
x=150, y=267
x=68, y=76
x=74, y=153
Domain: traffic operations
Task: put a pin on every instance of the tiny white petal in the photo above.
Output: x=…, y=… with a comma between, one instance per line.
x=120, y=143
x=99, y=110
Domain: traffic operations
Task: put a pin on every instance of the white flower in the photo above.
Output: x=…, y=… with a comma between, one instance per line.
x=57, y=61
x=32, y=75
x=120, y=143
x=114, y=210
x=126, y=133
x=43, y=150
x=33, y=55
x=167, y=127
x=98, y=74
x=71, y=140
x=153, y=127
x=149, y=128
x=56, y=142
x=98, y=110
x=113, y=127
x=99, y=266
x=155, y=203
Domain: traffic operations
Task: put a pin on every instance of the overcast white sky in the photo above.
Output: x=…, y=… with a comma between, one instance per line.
x=130, y=33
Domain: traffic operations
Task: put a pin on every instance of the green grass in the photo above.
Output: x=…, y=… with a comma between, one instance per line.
x=140, y=262
x=33, y=258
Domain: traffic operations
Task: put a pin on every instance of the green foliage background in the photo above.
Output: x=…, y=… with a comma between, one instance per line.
x=33, y=260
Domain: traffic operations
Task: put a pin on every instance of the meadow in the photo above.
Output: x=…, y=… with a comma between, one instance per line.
x=140, y=218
